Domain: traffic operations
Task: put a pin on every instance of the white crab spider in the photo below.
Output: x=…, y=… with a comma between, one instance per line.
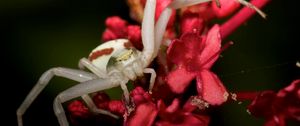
x=112, y=64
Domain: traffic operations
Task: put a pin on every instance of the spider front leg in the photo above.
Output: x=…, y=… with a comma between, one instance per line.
x=148, y=32
x=152, y=78
x=77, y=91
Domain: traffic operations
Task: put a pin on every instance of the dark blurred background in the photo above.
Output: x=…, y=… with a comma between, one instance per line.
x=41, y=34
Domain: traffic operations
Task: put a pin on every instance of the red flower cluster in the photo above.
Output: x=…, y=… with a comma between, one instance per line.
x=277, y=107
x=194, y=56
x=185, y=63
x=117, y=28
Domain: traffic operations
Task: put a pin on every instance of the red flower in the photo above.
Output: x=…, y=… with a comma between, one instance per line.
x=149, y=113
x=78, y=109
x=191, y=20
x=139, y=96
x=194, y=56
x=119, y=28
x=276, y=107
x=80, y=115
x=145, y=111
x=144, y=115
x=173, y=115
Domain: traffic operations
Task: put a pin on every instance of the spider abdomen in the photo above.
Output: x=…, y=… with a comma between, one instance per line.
x=118, y=56
x=101, y=55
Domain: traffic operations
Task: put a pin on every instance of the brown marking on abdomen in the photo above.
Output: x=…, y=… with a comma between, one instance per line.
x=128, y=45
x=99, y=53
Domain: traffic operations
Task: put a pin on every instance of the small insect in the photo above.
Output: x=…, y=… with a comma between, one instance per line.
x=112, y=64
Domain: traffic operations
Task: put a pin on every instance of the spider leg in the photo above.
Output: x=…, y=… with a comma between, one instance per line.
x=76, y=75
x=160, y=28
x=130, y=106
x=152, y=78
x=91, y=105
x=148, y=32
x=83, y=62
x=76, y=91
x=176, y=4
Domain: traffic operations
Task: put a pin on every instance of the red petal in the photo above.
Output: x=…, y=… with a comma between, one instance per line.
x=227, y=7
x=140, y=96
x=212, y=46
x=293, y=87
x=115, y=23
x=101, y=100
x=275, y=121
x=262, y=105
x=116, y=107
x=108, y=35
x=190, y=21
x=288, y=100
x=144, y=115
x=210, y=88
x=78, y=110
x=204, y=10
x=116, y=28
x=179, y=79
x=134, y=35
x=185, y=50
x=175, y=53
x=161, y=105
x=272, y=106
x=189, y=106
x=174, y=106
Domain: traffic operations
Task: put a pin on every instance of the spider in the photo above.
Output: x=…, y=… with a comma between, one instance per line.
x=112, y=64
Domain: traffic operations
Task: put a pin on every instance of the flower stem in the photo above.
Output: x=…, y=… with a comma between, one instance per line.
x=242, y=96
x=242, y=16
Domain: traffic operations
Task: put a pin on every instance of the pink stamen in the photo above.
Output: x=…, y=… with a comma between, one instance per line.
x=228, y=44
x=242, y=16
